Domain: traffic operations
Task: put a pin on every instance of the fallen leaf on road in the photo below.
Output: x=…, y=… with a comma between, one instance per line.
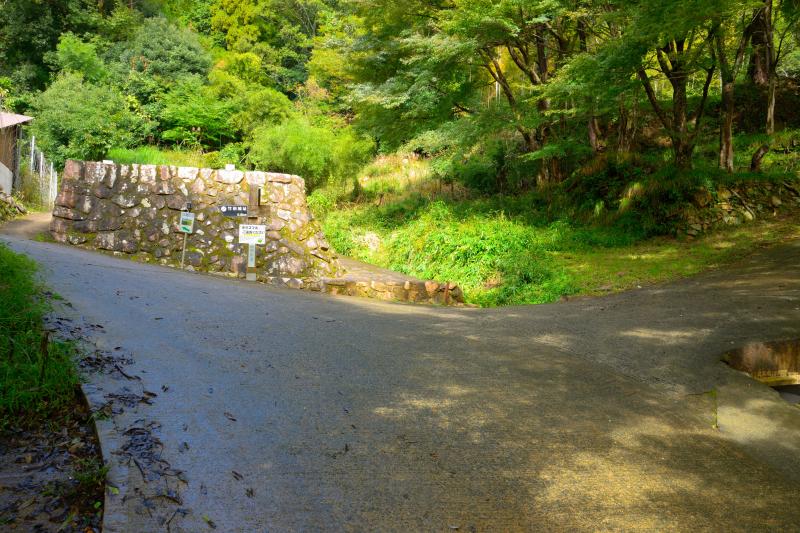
x=236, y=475
x=229, y=416
x=210, y=522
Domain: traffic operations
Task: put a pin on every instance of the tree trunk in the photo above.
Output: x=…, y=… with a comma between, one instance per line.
x=627, y=126
x=726, y=127
x=683, y=153
x=681, y=144
x=761, y=57
x=771, y=97
x=594, y=134
x=755, y=163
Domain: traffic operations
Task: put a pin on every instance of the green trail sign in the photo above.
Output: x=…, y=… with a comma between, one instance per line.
x=187, y=223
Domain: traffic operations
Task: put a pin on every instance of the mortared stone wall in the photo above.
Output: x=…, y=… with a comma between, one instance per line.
x=135, y=210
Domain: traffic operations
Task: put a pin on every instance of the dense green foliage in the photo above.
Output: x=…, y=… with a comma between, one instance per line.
x=192, y=75
x=81, y=120
x=505, y=95
x=33, y=382
x=316, y=152
x=521, y=249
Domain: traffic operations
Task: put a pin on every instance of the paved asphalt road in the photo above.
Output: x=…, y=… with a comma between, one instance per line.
x=291, y=411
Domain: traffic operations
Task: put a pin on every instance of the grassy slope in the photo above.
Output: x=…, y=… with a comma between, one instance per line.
x=508, y=250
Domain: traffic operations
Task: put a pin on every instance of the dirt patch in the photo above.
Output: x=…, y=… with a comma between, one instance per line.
x=51, y=476
x=29, y=226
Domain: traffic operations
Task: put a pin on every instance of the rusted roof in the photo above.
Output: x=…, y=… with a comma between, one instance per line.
x=10, y=119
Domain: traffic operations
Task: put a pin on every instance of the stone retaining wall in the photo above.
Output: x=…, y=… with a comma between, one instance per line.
x=736, y=204
x=135, y=210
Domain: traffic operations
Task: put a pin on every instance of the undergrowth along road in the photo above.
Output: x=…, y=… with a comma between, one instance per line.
x=51, y=473
x=512, y=250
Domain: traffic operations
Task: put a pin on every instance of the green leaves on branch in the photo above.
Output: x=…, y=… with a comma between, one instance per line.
x=76, y=119
x=321, y=154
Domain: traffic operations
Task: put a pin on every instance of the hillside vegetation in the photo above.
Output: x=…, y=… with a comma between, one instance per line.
x=522, y=148
x=520, y=249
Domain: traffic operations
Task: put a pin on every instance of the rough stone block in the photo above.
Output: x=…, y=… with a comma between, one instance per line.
x=158, y=202
x=147, y=174
x=198, y=186
x=67, y=213
x=231, y=177
x=188, y=173
x=256, y=179
x=73, y=170
x=177, y=202
x=278, y=178
x=59, y=225
x=111, y=175
x=106, y=241
x=294, y=283
x=95, y=173
x=76, y=239
x=289, y=265
x=68, y=198
x=164, y=188
x=102, y=192
x=125, y=200
x=86, y=226
x=239, y=265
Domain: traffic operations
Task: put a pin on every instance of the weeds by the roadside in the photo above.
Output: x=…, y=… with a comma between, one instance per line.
x=520, y=249
x=37, y=374
x=42, y=420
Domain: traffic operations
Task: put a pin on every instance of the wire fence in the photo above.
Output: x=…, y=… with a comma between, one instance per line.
x=38, y=177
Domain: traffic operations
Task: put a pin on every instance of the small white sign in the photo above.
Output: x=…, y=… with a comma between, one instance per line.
x=252, y=234
x=187, y=222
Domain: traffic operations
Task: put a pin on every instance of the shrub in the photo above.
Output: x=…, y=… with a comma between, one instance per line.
x=319, y=154
x=164, y=50
x=194, y=116
x=79, y=120
x=74, y=55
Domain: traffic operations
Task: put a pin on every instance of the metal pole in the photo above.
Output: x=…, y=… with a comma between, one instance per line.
x=183, y=253
x=253, y=218
x=251, y=263
x=49, y=184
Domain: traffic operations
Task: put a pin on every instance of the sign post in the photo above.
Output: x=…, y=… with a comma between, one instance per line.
x=252, y=235
x=186, y=227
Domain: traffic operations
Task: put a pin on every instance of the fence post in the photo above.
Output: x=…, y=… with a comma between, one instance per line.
x=33, y=151
x=51, y=193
